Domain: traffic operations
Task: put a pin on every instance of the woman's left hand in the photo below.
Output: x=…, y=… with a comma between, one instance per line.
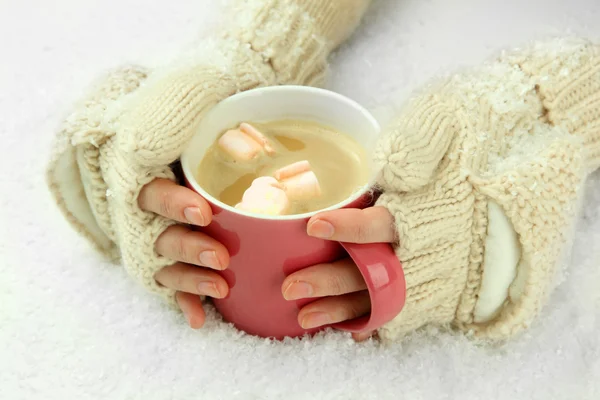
x=340, y=283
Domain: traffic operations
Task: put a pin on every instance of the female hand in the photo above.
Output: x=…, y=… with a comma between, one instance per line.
x=339, y=285
x=198, y=255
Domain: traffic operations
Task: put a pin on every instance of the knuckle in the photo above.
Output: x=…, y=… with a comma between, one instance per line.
x=361, y=233
x=142, y=199
x=179, y=280
x=161, y=245
x=166, y=204
x=181, y=247
x=169, y=277
x=179, y=300
x=351, y=310
x=335, y=284
x=159, y=277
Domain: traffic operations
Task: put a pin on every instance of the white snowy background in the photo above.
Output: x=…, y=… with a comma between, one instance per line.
x=74, y=327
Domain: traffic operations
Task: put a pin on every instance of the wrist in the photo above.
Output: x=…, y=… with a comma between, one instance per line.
x=440, y=246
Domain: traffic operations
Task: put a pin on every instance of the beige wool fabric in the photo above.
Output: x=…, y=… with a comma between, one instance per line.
x=135, y=122
x=521, y=132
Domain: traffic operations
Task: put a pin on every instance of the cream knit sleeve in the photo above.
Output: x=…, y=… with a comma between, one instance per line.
x=566, y=74
x=518, y=134
x=134, y=122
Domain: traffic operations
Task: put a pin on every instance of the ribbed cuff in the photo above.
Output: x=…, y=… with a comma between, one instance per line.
x=440, y=234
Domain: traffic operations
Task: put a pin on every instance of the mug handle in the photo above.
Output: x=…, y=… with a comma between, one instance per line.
x=385, y=281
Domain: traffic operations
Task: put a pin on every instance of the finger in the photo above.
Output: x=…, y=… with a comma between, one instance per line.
x=361, y=337
x=194, y=280
x=166, y=198
x=351, y=225
x=331, y=310
x=322, y=280
x=191, y=306
x=182, y=244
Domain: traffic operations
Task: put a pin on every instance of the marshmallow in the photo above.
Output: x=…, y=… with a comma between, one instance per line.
x=257, y=136
x=299, y=181
x=265, y=196
x=245, y=143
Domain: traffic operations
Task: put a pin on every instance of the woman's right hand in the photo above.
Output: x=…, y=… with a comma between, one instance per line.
x=197, y=255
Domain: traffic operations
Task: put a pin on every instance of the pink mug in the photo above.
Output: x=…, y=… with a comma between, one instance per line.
x=266, y=249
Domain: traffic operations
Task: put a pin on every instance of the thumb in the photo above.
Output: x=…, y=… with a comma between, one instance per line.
x=162, y=116
x=166, y=112
x=412, y=147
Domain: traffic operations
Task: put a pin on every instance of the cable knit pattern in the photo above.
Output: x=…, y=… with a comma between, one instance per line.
x=521, y=131
x=284, y=33
x=135, y=123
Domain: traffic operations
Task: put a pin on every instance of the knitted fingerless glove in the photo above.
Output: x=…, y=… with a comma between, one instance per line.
x=135, y=123
x=484, y=174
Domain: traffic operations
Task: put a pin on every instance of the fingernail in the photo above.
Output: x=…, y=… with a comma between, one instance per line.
x=315, y=319
x=298, y=290
x=209, y=289
x=194, y=216
x=321, y=229
x=209, y=259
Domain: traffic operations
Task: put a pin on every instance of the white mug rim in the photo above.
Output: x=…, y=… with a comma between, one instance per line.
x=189, y=176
